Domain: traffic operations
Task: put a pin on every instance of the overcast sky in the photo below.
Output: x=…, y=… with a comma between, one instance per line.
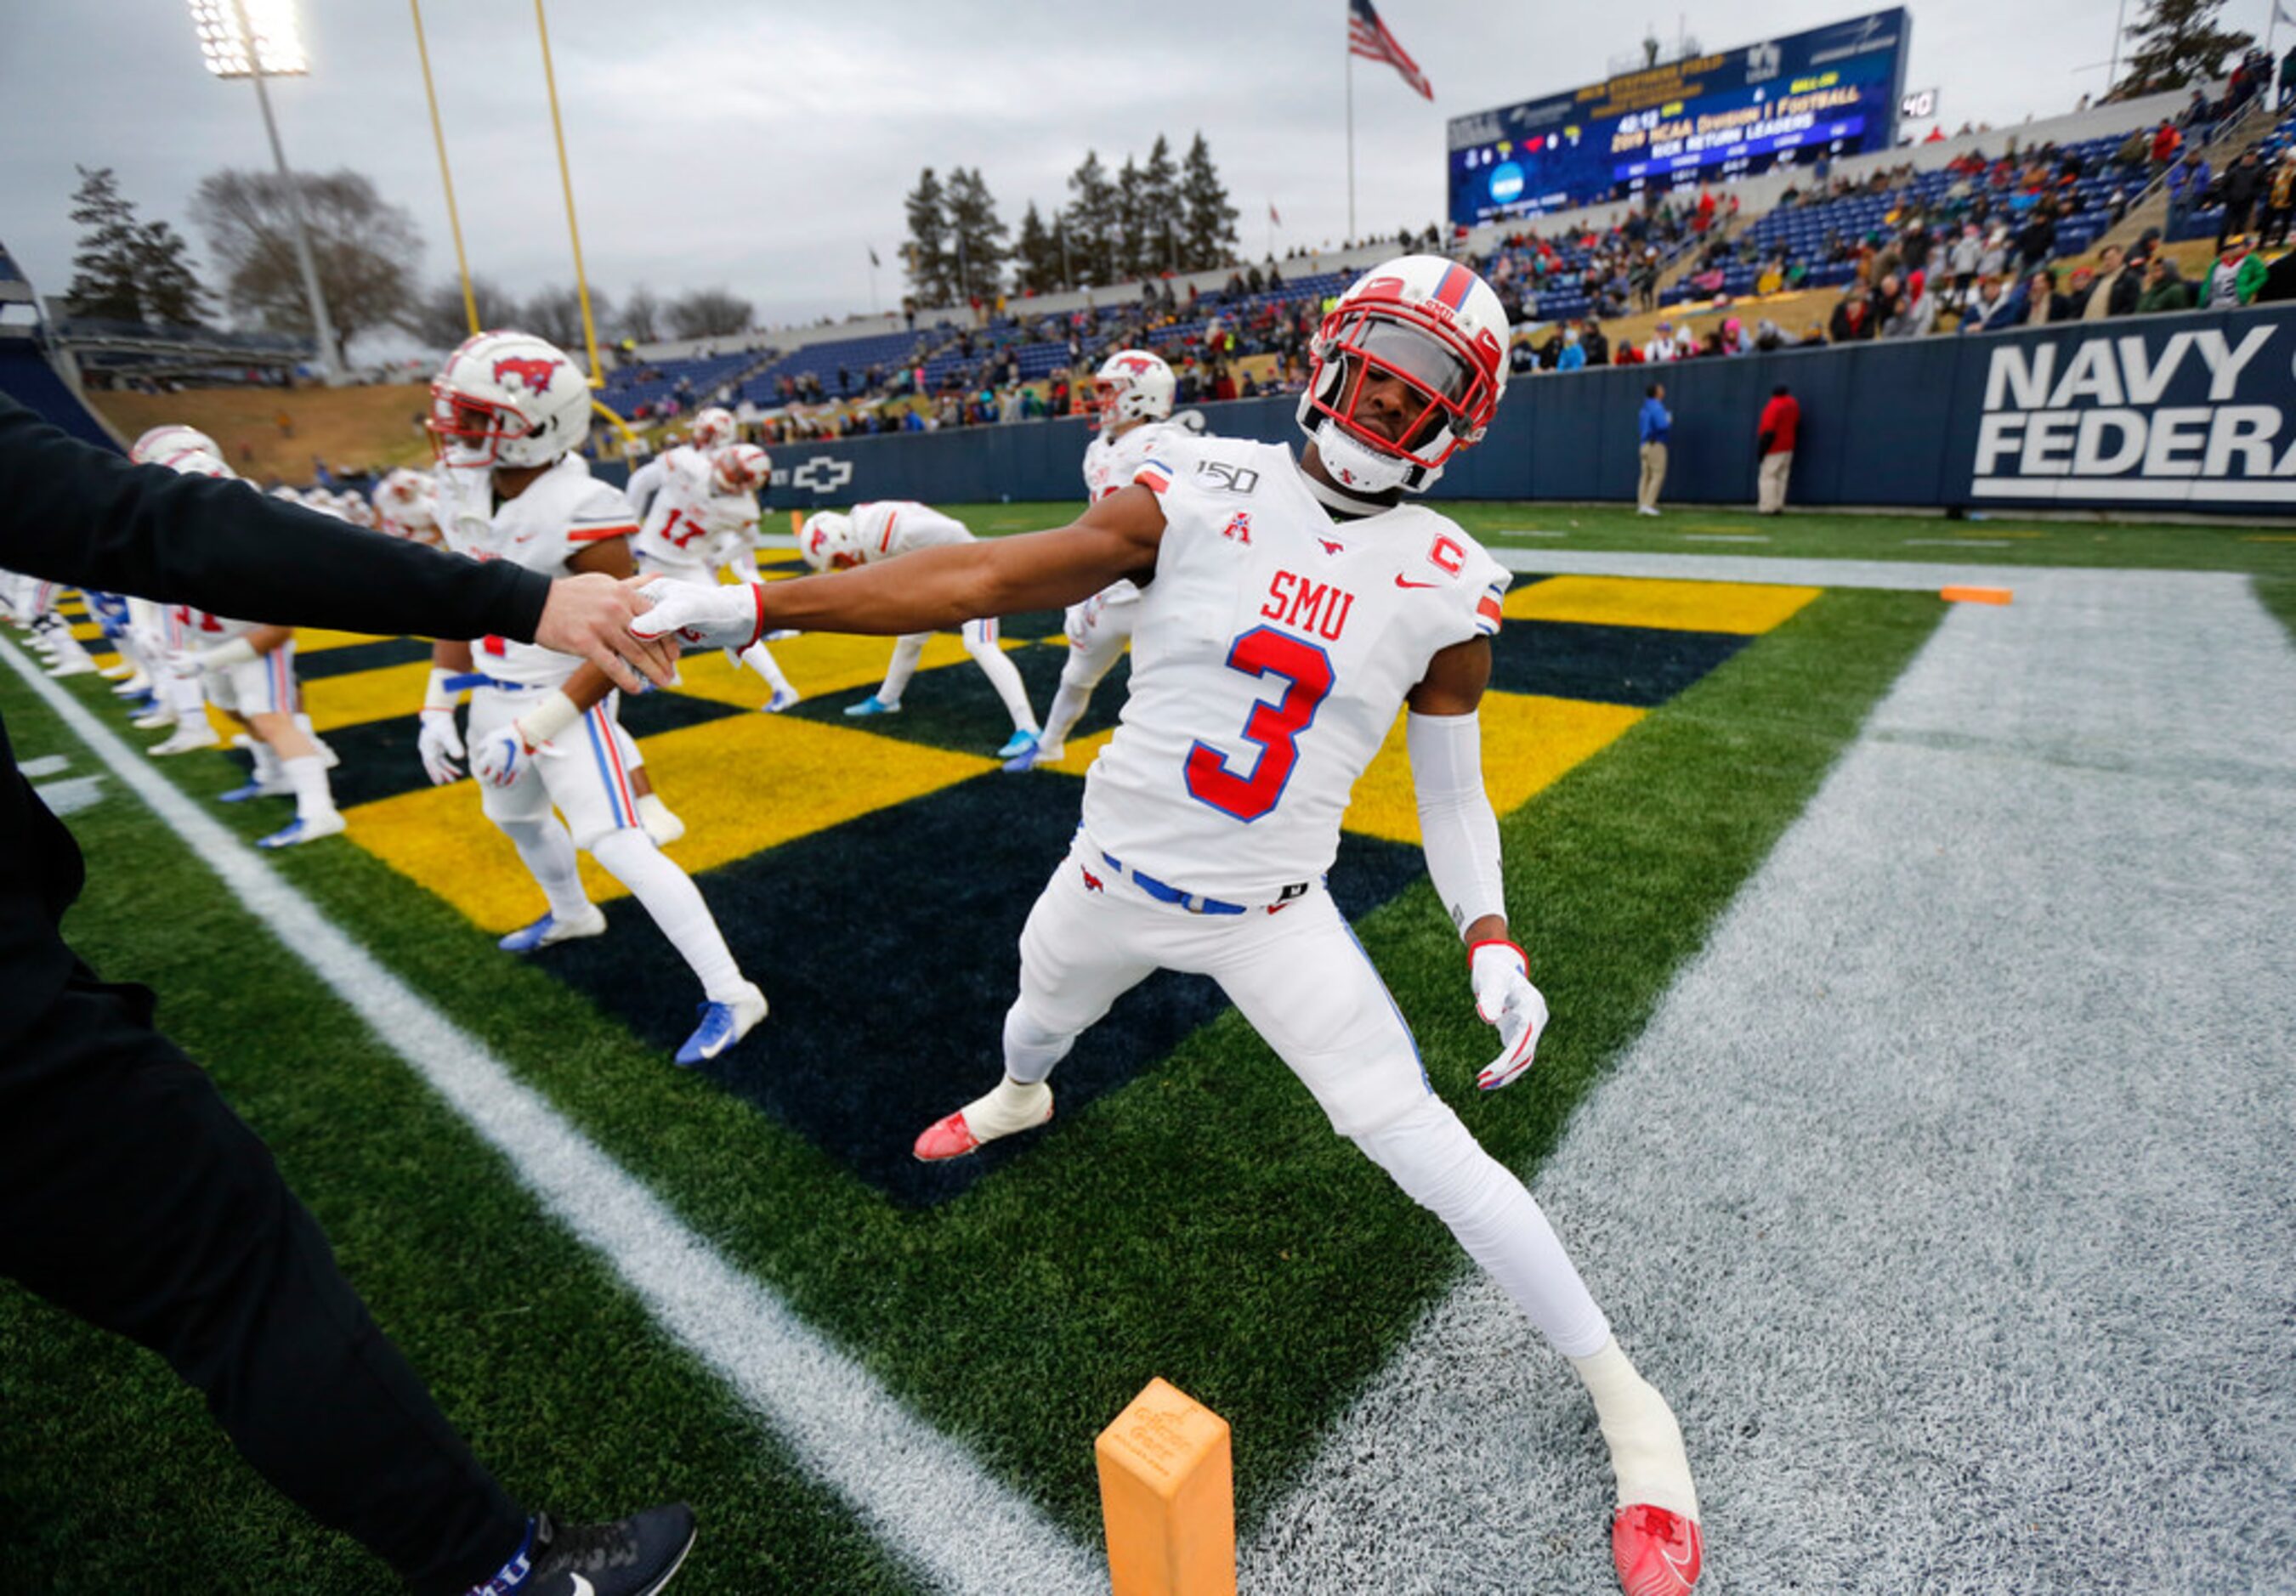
x=767, y=146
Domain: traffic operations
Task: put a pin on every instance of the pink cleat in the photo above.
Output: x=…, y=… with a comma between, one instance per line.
x=1657, y=1553
x=954, y=1137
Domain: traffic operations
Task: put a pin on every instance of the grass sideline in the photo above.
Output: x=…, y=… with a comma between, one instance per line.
x=1018, y=1317
x=1699, y=529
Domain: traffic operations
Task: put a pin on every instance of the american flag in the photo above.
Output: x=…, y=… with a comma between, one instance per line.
x=1368, y=37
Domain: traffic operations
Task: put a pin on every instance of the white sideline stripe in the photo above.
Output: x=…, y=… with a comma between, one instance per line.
x=917, y=1490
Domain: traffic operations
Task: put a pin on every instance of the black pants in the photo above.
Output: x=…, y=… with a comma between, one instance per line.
x=132, y=1196
x=2235, y=219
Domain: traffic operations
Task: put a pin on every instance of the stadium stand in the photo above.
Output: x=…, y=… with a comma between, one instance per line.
x=638, y=390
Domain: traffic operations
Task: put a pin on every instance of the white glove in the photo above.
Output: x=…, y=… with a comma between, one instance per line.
x=498, y=757
x=1506, y=998
x=724, y=615
x=440, y=745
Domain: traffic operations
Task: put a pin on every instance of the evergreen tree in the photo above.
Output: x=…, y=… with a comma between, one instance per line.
x=1162, y=223
x=2177, y=44
x=1093, y=222
x=171, y=290
x=1207, y=228
x=105, y=268
x=1037, y=257
x=1133, y=249
x=976, y=234
x=932, y=265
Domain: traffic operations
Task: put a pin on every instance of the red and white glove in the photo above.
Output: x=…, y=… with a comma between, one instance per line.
x=1506, y=998
x=722, y=616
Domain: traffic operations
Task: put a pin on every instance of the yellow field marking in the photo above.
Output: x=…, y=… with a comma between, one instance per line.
x=313, y=640
x=358, y=697
x=819, y=663
x=1744, y=607
x=1529, y=743
x=87, y=631
x=741, y=785
x=1077, y=755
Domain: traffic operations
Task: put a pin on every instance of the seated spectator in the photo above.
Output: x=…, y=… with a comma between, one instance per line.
x=1996, y=306
x=1769, y=280
x=1595, y=341
x=2042, y=303
x=2115, y=288
x=1572, y=357
x=2165, y=288
x=1909, y=316
x=1853, y=317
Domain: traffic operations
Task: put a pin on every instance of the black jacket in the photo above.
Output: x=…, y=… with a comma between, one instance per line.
x=78, y=514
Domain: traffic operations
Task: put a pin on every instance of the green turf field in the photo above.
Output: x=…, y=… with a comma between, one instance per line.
x=1197, y=1220
x=1994, y=540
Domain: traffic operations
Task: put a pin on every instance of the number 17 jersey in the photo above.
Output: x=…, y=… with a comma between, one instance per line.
x=1270, y=657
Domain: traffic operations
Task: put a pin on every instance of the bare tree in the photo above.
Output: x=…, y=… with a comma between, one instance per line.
x=642, y=316
x=709, y=313
x=366, y=248
x=556, y=313
x=439, y=319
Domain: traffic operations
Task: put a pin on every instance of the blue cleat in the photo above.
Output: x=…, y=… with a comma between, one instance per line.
x=872, y=705
x=1021, y=745
x=722, y=1025
x=301, y=831
x=253, y=789
x=550, y=929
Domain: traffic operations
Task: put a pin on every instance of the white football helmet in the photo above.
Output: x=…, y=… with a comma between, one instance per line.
x=161, y=445
x=739, y=469
x=825, y=541
x=197, y=462
x=1132, y=385
x=287, y=494
x=1437, y=333
x=508, y=398
x=713, y=428
x=407, y=499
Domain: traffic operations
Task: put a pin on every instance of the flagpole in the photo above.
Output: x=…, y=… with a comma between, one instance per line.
x=1351, y=136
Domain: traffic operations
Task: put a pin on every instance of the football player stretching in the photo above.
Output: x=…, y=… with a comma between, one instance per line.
x=508, y=412
x=887, y=530
x=1133, y=398
x=700, y=515
x=1288, y=610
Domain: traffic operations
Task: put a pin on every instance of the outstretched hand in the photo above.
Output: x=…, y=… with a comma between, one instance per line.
x=590, y=615
x=724, y=615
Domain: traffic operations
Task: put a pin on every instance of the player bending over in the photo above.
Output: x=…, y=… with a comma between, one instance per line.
x=508, y=412
x=1133, y=394
x=1288, y=611
x=701, y=516
x=875, y=534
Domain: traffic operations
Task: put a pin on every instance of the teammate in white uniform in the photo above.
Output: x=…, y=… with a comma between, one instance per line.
x=1133, y=391
x=700, y=516
x=885, y=531
x=508, y=412
x=1290, y=610
x=406, y=505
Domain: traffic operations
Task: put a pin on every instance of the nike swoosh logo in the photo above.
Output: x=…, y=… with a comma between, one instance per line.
x=1399, y=582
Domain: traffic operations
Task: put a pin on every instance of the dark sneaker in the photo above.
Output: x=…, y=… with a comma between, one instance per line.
x=634, y=1556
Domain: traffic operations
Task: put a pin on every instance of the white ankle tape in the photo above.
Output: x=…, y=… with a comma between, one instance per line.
x=1645, y=1443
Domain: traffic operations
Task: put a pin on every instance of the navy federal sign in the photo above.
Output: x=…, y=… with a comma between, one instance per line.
x=2194, y=409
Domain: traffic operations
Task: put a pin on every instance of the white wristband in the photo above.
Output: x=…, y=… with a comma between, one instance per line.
x=225, y=655
x=546, y=719
x=436, y=693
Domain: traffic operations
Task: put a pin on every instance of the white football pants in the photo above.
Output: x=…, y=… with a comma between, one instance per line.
x=1305, y=983
x=980, y=643
x=1099, y=631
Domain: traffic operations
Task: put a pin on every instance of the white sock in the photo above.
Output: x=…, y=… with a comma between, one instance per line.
x=669, y=894
x=906, y=651
x=1005, y=676
x=760, y=658
x=548, y=854
x=186, y=698
x=269, y=771
x=309, y=777
x=1011, y=1105
x=1069, y=705
x=1645, y=1443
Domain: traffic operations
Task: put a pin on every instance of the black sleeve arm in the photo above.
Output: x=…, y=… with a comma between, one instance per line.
x=72, y=512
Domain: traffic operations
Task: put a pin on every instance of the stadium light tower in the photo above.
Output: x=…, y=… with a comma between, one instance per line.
x=260, y=39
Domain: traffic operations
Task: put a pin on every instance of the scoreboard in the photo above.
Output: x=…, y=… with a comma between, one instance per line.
x=1834, y=89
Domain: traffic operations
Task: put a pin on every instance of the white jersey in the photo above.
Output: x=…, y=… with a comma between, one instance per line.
x=1270, y=657
x=561, y=511
x=894, y=527
x=687, y=521
x=1111, y=464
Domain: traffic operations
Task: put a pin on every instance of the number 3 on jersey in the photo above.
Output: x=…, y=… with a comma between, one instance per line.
x=1307, y=674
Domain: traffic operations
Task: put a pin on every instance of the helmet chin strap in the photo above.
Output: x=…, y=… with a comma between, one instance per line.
x=1360, y=471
